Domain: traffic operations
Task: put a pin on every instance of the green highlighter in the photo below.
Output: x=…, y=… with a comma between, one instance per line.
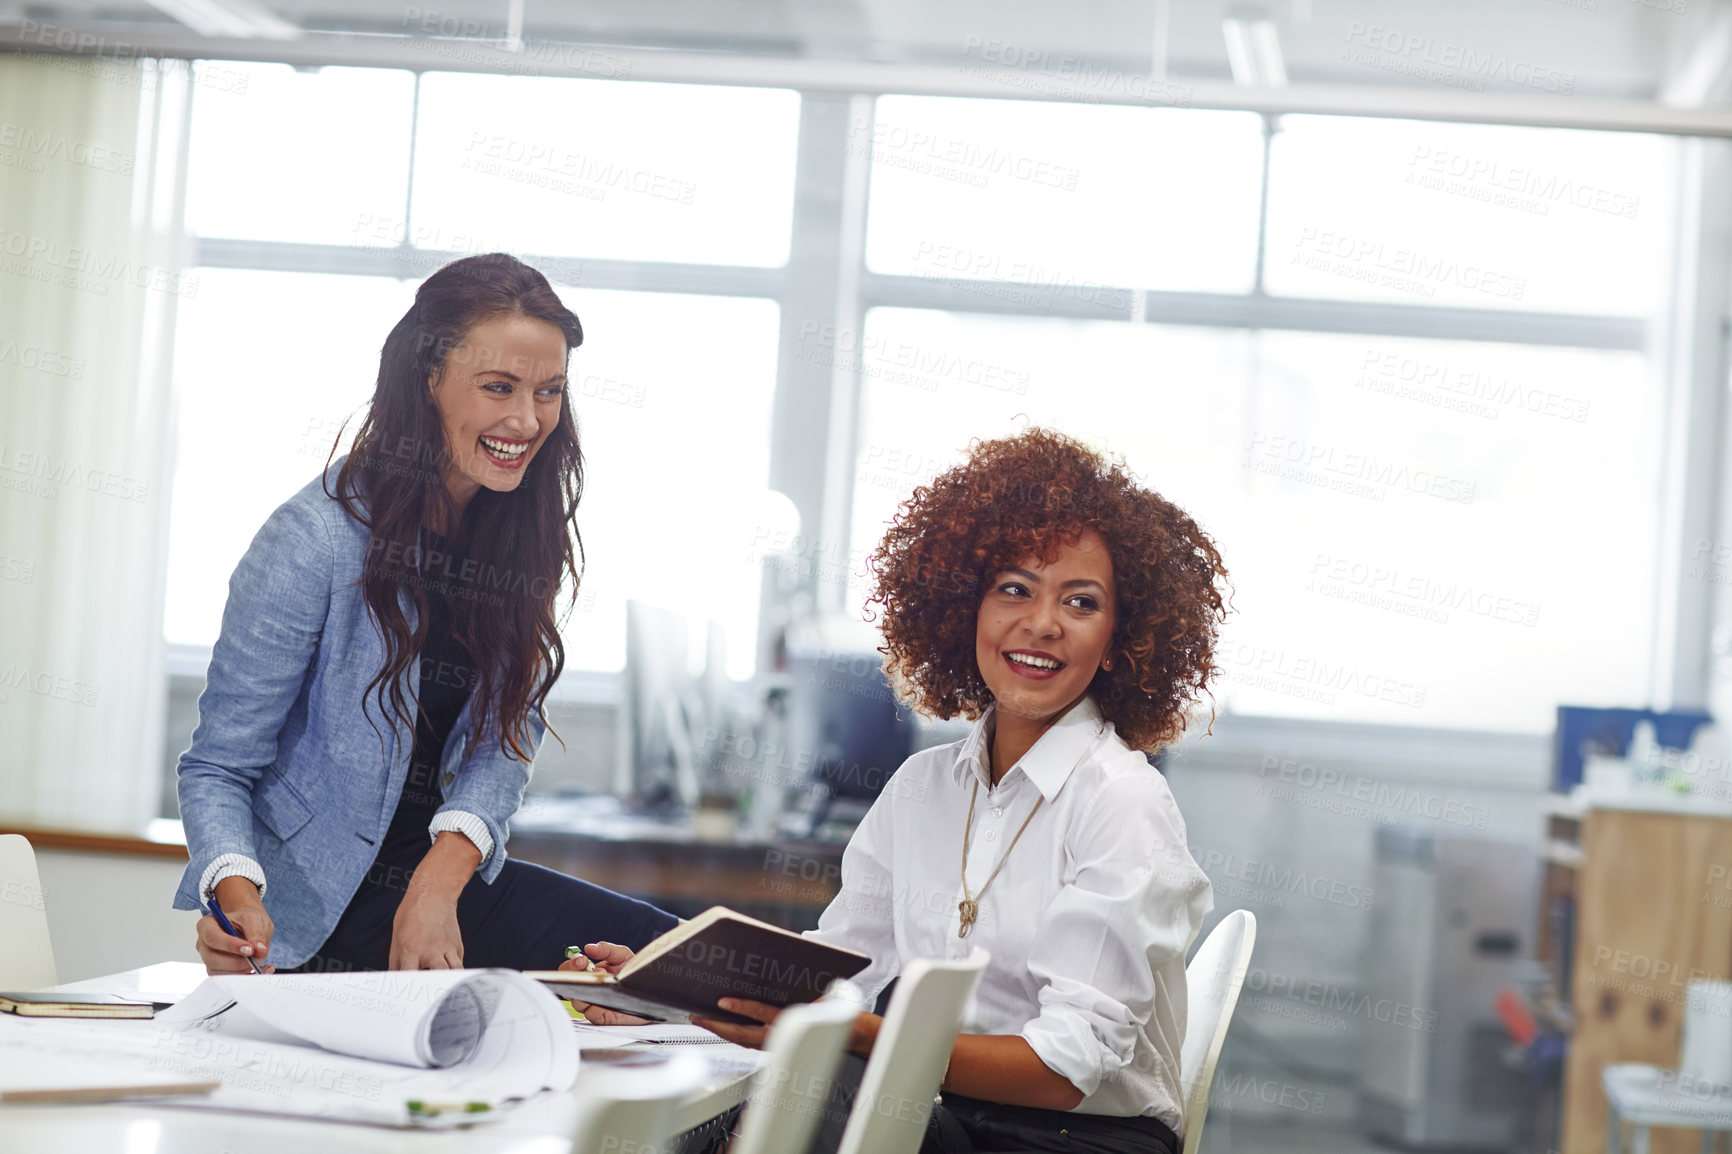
x=576, y=1014
x=420, y=1109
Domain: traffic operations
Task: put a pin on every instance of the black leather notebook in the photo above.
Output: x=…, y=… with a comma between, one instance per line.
x=718, y=954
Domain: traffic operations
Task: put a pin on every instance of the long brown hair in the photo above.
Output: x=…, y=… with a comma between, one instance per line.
x=519, y=544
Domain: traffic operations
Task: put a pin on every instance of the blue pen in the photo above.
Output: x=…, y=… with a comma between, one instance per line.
x=216, y=912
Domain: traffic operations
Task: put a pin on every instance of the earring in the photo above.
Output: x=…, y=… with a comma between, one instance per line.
x=1107, y=665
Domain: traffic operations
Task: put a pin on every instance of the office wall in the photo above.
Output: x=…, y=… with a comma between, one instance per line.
x=1286, y=828
x=110, y=912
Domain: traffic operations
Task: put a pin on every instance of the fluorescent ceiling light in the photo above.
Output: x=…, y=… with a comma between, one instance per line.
x=1240, y=57
x=1703, y=78
x=242, y=19
x=1254, y=51
x=1266, y=48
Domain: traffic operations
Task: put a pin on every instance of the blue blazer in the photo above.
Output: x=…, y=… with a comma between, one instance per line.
x=283, y=767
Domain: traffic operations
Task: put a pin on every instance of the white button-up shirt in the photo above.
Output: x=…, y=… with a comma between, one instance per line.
x=1088, y=921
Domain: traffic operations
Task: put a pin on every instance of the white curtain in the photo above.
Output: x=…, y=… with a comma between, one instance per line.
x=91, y=269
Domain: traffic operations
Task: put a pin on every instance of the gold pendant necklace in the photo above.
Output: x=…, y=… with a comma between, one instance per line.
x=968, y=909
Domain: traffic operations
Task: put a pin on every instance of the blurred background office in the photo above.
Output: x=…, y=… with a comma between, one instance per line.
x=1420, y=309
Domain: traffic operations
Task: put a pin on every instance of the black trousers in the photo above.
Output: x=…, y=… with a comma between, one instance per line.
x=970, y=1126
x=963, y=1125
x=522, y=921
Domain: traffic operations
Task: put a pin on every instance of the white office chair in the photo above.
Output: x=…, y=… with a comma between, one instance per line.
x=631, y=1110
x=801, y=1055
x=908, y=1059
x=1212, y=981
x=26, y=955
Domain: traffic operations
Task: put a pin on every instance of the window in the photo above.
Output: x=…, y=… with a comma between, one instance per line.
x=1417, y=525
x=267, y=367
x=1405, y=517
x=1402, y=514
x=1469, y=215
x=605, y=168
x=313, y=157
x=676, y=439
x=671, y=390
x=1406, y=522
x=1065, y=195
x=672, y=395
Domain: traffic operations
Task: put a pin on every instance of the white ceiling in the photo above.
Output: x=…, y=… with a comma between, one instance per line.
x=1621, y=48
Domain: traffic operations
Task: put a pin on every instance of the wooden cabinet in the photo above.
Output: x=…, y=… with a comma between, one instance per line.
x=1652, y=912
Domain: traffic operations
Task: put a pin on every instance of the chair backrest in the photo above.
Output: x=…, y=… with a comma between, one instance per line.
x=801, y=1056
x=631, y=1110
x=1212, y=982
x=908, y=1059
x=26, y=955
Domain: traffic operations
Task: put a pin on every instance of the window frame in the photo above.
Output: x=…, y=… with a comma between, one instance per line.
x=814, y=414
x=406, y=261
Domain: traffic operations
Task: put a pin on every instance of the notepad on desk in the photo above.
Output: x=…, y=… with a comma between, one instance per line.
x=718, y=954
x=61, y=1004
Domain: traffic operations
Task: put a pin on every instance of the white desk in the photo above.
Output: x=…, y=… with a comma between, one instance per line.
x=1647, y=1096
x=542, y=1127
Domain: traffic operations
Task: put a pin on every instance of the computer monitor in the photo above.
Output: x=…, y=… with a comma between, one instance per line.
x=847, y=724
x=662, y=709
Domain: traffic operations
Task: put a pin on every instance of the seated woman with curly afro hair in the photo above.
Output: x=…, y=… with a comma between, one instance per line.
x=1072, y=615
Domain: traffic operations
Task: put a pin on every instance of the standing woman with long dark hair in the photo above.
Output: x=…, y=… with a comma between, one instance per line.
x=412, y=584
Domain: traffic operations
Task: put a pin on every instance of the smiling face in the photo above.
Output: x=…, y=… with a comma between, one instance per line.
x=498, y=394
x=1044, y=628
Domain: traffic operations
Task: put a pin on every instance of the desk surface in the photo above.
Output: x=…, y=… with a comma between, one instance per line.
x=541, y=1127
x=607, y=819
x=1650, y=1096
x=786, y=881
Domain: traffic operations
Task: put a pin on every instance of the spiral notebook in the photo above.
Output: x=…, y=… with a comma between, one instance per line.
x=593, y=1037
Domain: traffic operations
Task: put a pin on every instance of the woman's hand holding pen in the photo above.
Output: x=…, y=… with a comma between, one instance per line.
x=224, y=954
x=602, y=956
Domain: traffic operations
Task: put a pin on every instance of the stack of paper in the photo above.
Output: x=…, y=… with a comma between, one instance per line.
x=359, y=1047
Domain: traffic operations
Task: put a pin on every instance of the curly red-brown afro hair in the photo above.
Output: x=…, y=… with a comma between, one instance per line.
x=1026, y=496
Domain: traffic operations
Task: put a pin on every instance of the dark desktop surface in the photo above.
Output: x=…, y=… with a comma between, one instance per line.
x=663, y=859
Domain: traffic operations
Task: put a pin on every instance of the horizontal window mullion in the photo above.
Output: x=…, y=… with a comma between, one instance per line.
x=1469, y=759
x=415, y=263
x=1232, y=310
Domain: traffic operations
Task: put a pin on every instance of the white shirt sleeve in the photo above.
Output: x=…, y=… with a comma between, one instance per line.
x=230, y=865
x=1135, y=903
x=861, y=915
x=465, y=823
